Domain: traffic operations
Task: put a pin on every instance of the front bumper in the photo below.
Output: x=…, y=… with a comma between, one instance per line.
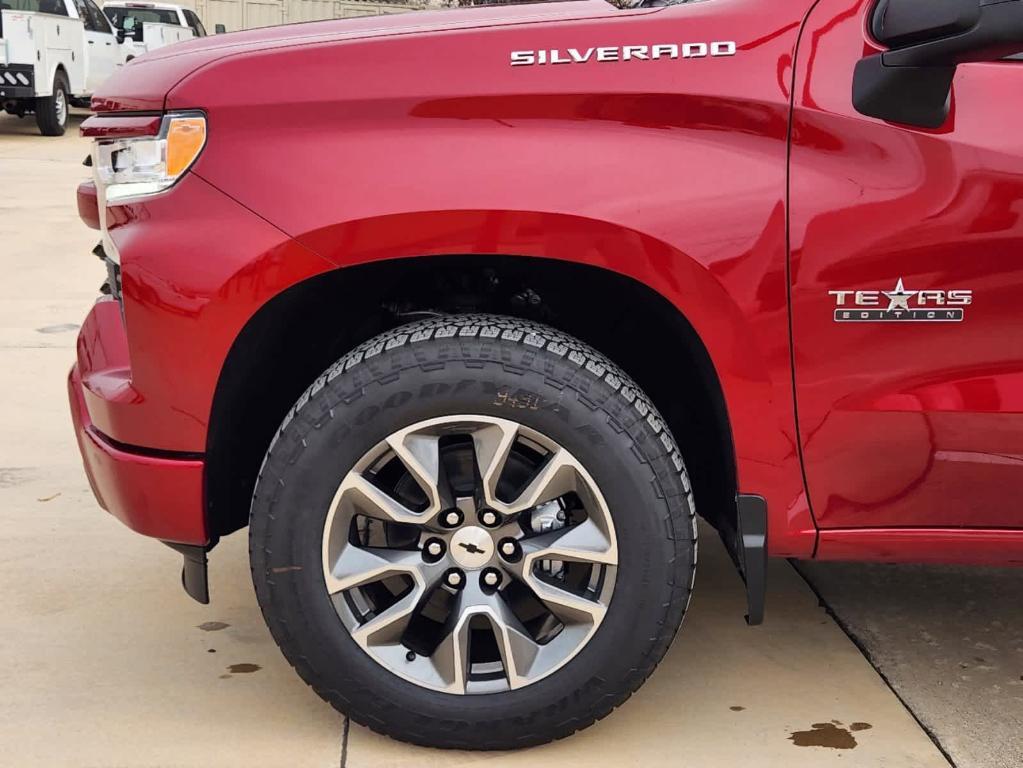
x=156, y=493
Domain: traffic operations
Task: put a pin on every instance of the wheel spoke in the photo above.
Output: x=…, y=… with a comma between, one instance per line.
x=388, y=625
x=517, y=648
x=568, y=607
x=493, y=443
x=420, y=454
x=451, y=658
x=556, y=478
x=365, y=498
x=584, y=543
x=357, y=566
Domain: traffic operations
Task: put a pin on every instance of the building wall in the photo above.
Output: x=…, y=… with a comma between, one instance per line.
x=246, y=14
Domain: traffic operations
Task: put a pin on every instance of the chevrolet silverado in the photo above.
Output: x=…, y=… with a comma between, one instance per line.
x=466, y=314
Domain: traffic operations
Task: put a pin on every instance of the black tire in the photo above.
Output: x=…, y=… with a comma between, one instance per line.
x=463, y=364
x=47, y=117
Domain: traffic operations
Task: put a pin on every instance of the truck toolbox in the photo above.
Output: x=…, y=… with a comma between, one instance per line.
x=17, y=81
x=53, y=55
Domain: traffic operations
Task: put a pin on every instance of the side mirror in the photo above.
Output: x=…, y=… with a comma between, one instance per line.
x=897, y=24
x=219, y=29
x=912, y=82
x=130, y=28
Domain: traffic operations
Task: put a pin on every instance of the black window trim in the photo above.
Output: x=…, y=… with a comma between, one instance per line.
x=194, y=22
x=97, y=15
x=63, y=3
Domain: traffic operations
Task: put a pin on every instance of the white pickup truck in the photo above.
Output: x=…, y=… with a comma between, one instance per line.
x=53, y=55
x=147, y=26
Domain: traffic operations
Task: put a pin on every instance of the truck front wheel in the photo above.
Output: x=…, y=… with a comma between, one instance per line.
x=52, y=110
x=473, y=532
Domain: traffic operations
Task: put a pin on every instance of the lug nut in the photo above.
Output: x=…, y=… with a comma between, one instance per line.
x=452, y=518
x=509, y=549
x=455, y=579
x=433, y=550
x=489, y=518
x=491, y=577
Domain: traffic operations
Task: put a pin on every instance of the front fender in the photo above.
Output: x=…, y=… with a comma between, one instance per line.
x=747, y=340
x=670, y=171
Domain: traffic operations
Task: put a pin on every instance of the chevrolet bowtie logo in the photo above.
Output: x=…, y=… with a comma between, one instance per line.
x=471, y=548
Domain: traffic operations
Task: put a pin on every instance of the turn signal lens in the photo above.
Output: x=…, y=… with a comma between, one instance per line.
x=186, y=137
x=147, y=165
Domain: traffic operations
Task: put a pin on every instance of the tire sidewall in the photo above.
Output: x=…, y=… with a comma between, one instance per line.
x=357, y=409
x=60, y=84
x=46, y=108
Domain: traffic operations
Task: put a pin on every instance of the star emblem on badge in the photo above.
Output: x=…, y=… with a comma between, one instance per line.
x=899, y=298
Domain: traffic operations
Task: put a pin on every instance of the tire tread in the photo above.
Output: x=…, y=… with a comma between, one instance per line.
x=679, y=528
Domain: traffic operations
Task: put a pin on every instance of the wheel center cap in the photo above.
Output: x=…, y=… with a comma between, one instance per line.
x=472, y=547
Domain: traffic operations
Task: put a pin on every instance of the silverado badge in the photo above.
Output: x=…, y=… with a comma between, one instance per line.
x=623, y=53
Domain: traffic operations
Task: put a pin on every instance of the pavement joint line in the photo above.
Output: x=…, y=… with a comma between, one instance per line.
x=344, y=742
x=874, y=665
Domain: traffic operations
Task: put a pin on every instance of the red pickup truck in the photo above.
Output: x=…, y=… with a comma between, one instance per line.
x=466, y=314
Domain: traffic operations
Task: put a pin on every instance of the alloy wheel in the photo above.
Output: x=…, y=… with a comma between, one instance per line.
x=60, y=106
x=470, y=554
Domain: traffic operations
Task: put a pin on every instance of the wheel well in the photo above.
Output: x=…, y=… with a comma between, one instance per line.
x=58, y=70
x=294, y=337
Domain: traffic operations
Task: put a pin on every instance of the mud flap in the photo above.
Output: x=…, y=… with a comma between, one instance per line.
x=193, y=571
x=747, y=544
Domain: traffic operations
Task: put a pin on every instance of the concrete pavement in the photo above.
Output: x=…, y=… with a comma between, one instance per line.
x=949, y=640
x=108, y=663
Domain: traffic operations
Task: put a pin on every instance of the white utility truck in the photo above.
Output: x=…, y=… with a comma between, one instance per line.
x=53, y=55
x=147, y=26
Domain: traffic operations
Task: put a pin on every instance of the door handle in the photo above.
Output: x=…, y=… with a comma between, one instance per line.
x=91, y=42
x=109, y=43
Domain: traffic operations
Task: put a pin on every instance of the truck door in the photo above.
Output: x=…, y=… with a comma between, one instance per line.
x=906, y=279
x=102, y=49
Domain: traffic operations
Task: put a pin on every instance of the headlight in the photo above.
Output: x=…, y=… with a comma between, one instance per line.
x=149, y=165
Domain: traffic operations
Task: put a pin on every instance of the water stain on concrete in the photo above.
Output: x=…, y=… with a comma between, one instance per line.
x=213, y=626
x=737, y=708
x=239, y=669
x=12, y=476
x=62, y=328
x=860, y=727
x=827, y=735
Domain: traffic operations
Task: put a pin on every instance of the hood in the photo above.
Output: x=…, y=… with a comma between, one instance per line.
x=142, y=84
x=388, y=24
